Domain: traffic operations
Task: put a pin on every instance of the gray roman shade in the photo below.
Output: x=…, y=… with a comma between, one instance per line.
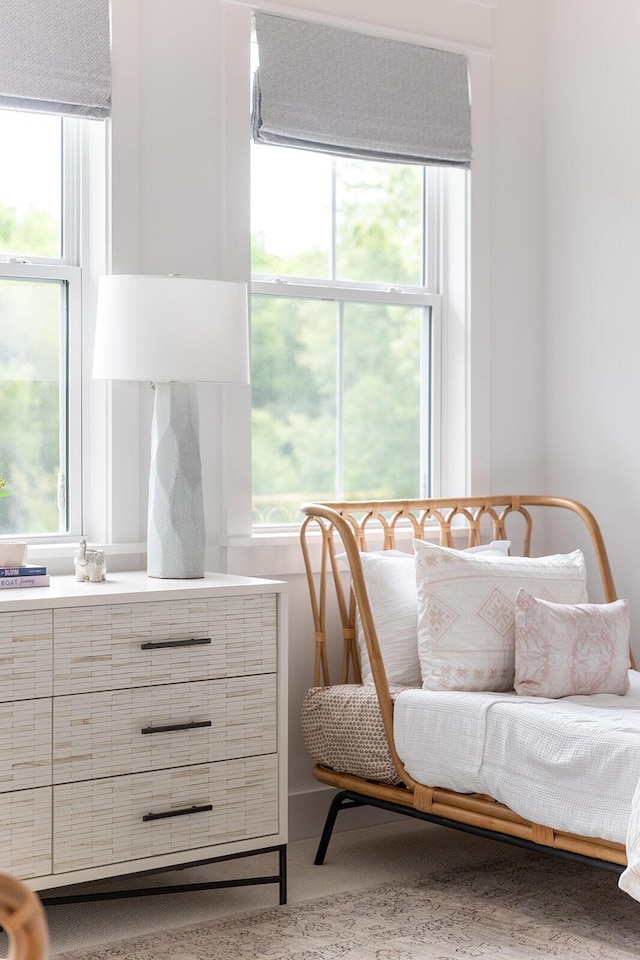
x=349, y=94
x=54, y=56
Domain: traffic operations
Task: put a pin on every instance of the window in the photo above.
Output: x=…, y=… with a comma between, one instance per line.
x=350, y=178
x=40, y=324
x=344, y=329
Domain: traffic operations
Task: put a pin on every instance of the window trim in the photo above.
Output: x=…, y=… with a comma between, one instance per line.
x=343, y=290
x=426, y=294
x=466, y=288
x=83, y=259
x=436, y=183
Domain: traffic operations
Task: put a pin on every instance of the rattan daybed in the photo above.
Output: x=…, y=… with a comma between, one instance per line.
x=334, y=538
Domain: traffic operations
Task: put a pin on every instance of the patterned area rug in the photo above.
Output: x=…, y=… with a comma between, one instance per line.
x=514, y=910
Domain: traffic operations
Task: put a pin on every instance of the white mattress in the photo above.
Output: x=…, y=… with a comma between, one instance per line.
x=571, y=764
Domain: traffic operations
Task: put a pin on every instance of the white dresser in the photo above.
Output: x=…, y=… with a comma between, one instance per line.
x=143, y=725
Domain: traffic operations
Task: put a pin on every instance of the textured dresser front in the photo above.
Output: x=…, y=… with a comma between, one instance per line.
x=99, y=822
x=139, y=644
x=112, y=732
x=171, y=691
x=140, y=729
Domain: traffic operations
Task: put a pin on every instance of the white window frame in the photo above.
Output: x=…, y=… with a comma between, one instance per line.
x=367, y=293
x=76, y=144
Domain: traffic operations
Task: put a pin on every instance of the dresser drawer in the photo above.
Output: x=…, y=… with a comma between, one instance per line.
x=101, y=734
x=25, y=832
x=25, y=654
x=25, y=744
x=107, y=647
x=149, y=814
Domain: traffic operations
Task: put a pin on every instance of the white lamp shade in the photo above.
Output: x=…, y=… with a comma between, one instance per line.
x=171, y=329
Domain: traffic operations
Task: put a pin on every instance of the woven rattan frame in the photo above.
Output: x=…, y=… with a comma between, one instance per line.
x=354, y=526
x=23, y=919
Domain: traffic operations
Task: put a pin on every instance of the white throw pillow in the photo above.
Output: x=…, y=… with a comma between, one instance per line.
x=390, y=578
x=466, y=611
x=497, y=548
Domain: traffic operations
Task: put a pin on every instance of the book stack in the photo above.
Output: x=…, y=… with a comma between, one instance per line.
x=27, y=576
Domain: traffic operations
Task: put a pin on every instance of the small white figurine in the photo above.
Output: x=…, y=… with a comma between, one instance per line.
x=89, y=564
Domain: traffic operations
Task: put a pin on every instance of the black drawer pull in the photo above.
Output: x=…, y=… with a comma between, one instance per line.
x=205, y=808
x=190, y=725
x=157, y=644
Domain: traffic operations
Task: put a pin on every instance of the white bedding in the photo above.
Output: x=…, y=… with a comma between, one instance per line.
x=571, y=764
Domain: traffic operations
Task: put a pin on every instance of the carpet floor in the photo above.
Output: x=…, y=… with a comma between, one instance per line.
x=515, y=908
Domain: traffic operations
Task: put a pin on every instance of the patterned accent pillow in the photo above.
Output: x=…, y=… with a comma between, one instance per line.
x=571, y=650
x=466, y=611
x=390, y=577
x=342, y=729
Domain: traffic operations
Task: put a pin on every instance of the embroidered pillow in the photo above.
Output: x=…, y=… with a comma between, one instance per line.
x=466, y=611
x=571, y=650
x=390, y=578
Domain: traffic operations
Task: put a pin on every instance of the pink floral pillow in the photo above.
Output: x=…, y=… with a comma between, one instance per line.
x=565, y=650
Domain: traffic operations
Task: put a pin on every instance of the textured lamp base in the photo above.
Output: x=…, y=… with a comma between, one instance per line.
x=176, y=531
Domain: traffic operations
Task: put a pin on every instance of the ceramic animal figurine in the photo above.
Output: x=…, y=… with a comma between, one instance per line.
x=89, y=564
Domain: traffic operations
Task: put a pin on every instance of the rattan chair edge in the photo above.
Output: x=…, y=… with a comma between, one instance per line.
x=22, y=917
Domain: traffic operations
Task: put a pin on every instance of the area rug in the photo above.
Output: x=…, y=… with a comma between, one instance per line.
x=521, y=909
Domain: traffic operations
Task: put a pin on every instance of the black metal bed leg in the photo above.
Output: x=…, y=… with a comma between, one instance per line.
x=348, y=798
x=341, y=801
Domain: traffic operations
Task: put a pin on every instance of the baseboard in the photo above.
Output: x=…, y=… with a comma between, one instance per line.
x=308, y=811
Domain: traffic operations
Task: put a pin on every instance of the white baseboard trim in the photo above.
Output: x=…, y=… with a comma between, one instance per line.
x=308, y=812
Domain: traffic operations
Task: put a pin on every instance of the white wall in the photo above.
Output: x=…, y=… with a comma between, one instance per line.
x=179, y=205
x=517, y=279
x=592, y=246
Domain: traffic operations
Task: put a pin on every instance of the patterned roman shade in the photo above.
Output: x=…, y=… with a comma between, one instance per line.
x=54, y=57
x=349, y=94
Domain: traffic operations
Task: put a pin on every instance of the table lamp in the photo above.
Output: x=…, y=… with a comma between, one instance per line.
x=173, y=332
